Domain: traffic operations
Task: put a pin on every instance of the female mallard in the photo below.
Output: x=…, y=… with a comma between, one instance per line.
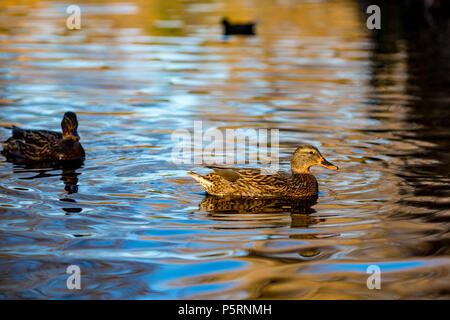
x=39, y=145
x=244, y=183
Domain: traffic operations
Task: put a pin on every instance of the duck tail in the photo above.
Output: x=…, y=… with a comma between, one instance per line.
x=6, y=126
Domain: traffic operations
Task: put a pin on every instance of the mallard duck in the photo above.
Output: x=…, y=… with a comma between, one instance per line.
x=40, y=145
x=249, y=182
x=236, y=28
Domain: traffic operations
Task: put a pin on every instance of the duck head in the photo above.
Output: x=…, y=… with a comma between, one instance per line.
x=69, y=125
x=306, y=156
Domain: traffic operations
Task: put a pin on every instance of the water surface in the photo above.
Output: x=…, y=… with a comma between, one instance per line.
x=140, y=228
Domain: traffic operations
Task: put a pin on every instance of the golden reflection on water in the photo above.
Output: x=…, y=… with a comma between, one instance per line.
x=140, y=228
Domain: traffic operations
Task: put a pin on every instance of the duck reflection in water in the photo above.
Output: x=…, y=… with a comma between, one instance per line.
x=45, y=169
x=300, y=211
x=215, y=204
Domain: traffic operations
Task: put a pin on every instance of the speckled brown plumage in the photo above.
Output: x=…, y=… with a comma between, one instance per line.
x=43, y=145
x=243, y=182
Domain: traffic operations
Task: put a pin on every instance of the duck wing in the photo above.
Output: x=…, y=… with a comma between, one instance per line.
x=230, y=174
x=32, y=144
x=233, y=174
x=250, y=176
x=36, y=137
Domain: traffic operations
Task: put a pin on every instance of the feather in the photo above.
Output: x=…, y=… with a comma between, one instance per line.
x=252, y=182
x=41, y=145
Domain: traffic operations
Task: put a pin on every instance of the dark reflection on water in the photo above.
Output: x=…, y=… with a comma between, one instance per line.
x=45, y=169
x=66, y=171
x=230, y=206
x=421, y=33
x=375, y=103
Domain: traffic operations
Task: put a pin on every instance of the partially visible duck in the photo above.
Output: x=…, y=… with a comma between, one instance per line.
x=244, y=183
x=242, y=28
x=40, y=145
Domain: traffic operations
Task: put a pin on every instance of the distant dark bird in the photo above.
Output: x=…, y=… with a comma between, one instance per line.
x=40, y=145
x=242, y=29
x=249, y=182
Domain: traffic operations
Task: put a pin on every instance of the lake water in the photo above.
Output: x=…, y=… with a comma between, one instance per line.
x=138, y=227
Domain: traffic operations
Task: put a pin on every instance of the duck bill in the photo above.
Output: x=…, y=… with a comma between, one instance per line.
x=327, y=164
x=74, y=135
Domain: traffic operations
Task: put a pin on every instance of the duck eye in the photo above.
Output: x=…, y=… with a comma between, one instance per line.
x=311, y=152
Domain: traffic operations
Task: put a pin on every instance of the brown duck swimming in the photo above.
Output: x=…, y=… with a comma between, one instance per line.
x=244, y=183
x=44, y=145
